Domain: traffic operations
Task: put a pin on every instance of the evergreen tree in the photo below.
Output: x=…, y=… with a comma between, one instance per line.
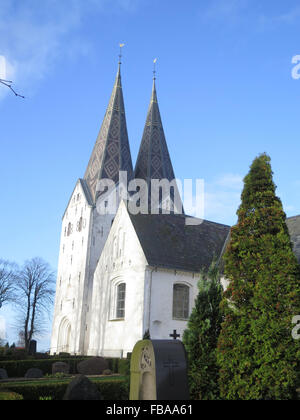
x=256, y=352
x=201, y=337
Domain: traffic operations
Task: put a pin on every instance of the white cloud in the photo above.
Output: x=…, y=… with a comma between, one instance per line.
x=222, y=198
x=245, y=12
x=224, y=9
x=34, y=33
x=289, y=17
x=230, y=181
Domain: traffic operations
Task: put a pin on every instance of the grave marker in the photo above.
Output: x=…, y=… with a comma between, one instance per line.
x=159, y=371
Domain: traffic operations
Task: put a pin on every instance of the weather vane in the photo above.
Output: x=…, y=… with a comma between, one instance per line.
x=154, y=68
x=8, y=84
x=120, y=55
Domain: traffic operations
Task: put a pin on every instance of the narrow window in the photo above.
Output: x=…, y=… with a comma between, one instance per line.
x=80, y=224
x=121, y=291
x=180, y=301
x=69, y=229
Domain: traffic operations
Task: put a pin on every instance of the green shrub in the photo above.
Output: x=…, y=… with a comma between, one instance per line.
x=110, y=389
x=256, y=352
x=201, y=337
x=124, y=367
x=18, y=368
x=10, y=396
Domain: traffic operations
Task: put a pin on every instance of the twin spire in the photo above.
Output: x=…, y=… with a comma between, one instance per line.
x=111, y=152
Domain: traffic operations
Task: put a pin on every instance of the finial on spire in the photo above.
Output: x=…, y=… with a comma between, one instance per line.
x=120, y=55
x=154, y=68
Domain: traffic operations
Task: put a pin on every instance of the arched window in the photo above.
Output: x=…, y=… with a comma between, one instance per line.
x=120, y=303
x=181, y=300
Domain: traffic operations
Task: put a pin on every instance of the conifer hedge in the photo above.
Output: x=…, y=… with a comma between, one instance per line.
x=201, y=337
x=257, y=355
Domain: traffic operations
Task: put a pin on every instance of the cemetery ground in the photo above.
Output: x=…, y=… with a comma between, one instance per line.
x=49, y=378
x=110, y=388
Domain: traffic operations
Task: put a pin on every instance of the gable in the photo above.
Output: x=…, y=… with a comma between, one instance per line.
x=122, y=247
x=84, y=189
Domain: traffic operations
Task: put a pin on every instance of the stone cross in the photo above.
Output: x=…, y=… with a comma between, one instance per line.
x=174, y=335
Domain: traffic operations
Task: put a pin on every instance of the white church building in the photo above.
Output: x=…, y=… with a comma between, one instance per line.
x=120, y=274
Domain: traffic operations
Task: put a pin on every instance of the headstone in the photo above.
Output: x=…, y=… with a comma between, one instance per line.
x=60, y=367
x=158, y=371
x=82, y=389
x=32, y=347
x=3, y=374
x=92, y=366
x=34, y=373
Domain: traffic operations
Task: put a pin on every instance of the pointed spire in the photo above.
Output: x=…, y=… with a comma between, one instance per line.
x=111, y=152
x=153, y=159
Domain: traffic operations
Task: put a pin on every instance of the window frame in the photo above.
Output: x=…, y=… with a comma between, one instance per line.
x=181, y=313
x=115, y=299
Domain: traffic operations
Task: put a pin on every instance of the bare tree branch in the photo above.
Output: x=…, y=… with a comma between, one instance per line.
x=8, y=84
x=35, y=284
x=7, y=282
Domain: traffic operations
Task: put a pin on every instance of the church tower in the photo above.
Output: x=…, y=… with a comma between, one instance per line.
x=85, y=230
x=154, y=162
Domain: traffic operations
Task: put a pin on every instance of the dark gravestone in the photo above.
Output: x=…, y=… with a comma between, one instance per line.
x=32, y=347
x=3, y=374
x=82, y=389
x=92, y=366
x=159, y=371
x=60, y=367
x=34, y=373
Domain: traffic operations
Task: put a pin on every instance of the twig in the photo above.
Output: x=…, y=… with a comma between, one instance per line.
x=8, y=83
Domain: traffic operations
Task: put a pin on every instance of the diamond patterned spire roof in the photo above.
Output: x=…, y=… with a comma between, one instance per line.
x=111, y=152
x=153, y=160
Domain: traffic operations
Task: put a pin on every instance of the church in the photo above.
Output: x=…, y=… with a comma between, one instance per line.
x=121, y=275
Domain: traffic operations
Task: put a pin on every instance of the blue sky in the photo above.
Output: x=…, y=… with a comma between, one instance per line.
x=225, y=90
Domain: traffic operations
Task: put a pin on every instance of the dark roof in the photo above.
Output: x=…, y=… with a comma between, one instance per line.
x=111, y=152
x=153, y=161
x=168, y=242
x=293, y=224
